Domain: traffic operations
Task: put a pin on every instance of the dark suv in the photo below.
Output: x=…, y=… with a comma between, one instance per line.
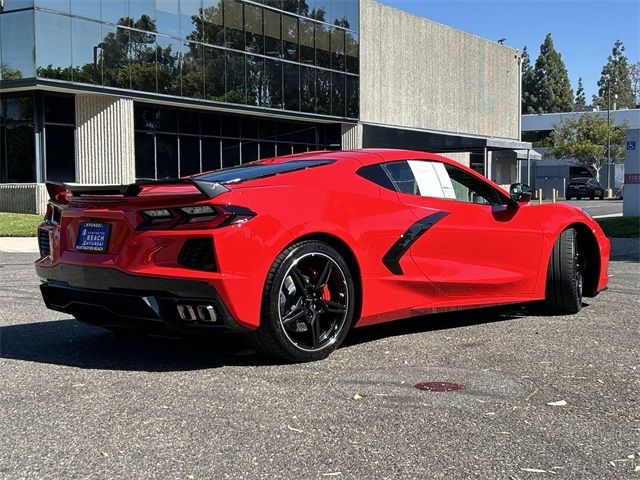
x=584, y=187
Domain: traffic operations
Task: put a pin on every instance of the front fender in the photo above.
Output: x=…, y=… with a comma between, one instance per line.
x=557, y=217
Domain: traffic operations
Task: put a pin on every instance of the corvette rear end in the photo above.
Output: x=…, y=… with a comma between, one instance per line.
x=145, y=254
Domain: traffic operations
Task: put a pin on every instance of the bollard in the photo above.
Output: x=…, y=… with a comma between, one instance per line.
x=540, y=196
x=554, y=195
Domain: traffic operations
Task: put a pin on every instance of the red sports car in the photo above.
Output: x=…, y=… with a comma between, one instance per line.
x=297, y=250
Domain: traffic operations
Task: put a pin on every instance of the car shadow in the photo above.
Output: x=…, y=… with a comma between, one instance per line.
x=435, y=322
x=75, y=344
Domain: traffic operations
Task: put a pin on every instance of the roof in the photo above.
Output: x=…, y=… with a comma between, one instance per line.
x=546, y=121
x=367, y=156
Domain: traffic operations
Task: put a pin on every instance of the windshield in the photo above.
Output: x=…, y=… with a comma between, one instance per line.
x=252, y=171
x=580, y=180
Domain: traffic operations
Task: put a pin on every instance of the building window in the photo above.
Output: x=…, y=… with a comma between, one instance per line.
x=86, y=8
x=170, y=143
x=17, y=140
x=217, y=50
x=17, y=45
x=53, y=29
x=59, y=138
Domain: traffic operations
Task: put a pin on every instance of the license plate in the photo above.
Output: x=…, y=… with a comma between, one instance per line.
x=93, y=237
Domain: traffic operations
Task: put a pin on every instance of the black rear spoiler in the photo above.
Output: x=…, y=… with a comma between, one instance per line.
x=57, y=190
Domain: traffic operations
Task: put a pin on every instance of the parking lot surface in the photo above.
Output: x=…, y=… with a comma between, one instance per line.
x=78, y=402
x=598, y=208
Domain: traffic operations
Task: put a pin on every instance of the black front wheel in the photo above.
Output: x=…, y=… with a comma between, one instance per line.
x=565, y=275
x=308, y=303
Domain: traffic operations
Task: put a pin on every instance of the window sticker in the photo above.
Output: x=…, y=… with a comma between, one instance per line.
x=445, y=180
x=426, y=178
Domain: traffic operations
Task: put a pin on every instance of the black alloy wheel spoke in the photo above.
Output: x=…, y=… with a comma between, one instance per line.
x=293, y=315
x=314, y=327
x=333, y=307
x=324, y=277
x=298, y=280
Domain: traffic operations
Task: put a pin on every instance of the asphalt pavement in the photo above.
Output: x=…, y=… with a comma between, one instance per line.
x=78, y=402
x=598, y=208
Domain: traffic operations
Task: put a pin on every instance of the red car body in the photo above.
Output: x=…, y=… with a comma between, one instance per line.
x=472, y=255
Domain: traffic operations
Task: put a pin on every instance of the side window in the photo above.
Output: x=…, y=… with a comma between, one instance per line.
x=402, y=177
x=431, y=179
x=470, y=189
x=377, y=175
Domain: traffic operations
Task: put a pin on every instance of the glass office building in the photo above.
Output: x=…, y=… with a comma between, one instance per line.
x=214, y=82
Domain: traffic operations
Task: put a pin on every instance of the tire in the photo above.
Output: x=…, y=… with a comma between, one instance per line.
x=307, y=303
x=565, y=275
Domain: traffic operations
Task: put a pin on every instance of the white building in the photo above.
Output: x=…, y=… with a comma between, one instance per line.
x=549, y=172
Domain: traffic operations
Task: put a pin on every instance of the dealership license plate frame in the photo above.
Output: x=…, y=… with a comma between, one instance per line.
x=97, y=245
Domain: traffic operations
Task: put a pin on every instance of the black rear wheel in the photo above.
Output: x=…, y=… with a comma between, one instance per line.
x=308, y=303
x=565, y=275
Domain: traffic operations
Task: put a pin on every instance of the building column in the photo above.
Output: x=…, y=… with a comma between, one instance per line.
x=105, y=151
x=351, y=136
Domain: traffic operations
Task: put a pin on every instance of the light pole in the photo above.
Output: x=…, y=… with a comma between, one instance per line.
x=608, y=195
x=609, y=192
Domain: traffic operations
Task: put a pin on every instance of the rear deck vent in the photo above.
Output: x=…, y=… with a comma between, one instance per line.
x=43, y=242
x=197, y=253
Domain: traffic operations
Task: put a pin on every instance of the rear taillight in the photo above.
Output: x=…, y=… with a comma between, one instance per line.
x=49, y=213
x=53, y=214
x=194, y=216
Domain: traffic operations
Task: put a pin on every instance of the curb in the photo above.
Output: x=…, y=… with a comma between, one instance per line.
x=19, y=245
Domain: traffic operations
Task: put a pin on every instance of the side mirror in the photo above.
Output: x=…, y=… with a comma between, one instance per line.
x=520, y=193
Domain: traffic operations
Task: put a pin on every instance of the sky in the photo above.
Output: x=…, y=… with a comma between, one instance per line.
x=583, y=31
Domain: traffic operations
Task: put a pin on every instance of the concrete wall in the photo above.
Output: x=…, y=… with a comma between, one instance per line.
x=421, y=74
x=351, y=136
x=460, y=157
x=105, y=151
x=504, y=167
x=23, y=198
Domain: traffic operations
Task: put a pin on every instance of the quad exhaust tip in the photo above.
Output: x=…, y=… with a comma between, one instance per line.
x=203, y=313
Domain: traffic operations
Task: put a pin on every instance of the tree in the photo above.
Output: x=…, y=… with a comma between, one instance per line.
x=551, y=81
x=8, y=73
x=529, y=97
x=580, y=101
x=584, y=140
x=615, y=75
x=634, y=75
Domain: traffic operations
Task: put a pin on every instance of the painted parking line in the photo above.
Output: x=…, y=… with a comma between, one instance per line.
x=608, y=216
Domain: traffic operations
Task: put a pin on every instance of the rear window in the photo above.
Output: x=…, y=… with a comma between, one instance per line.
x=253, y=171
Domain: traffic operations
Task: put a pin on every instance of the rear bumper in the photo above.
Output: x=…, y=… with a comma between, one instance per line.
x=109, y=297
